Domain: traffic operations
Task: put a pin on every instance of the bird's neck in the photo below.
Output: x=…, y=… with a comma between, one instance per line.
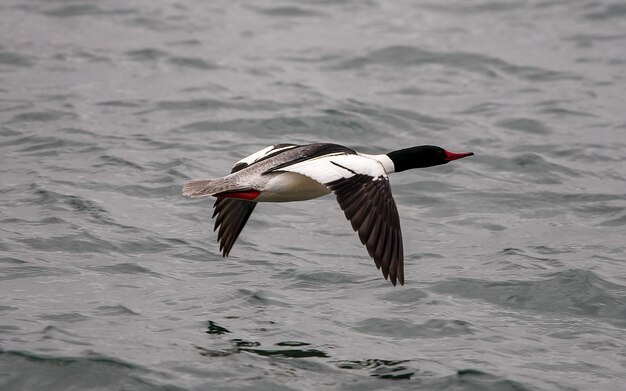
x=383, y=159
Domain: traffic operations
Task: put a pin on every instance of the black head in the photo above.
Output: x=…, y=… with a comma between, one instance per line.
x=423, y=156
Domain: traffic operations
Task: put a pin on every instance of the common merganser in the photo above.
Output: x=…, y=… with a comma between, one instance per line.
x=290, y=172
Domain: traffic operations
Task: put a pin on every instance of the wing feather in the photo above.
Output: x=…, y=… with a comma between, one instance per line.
x=364, y=195
x=231, y=214
x=375, y=216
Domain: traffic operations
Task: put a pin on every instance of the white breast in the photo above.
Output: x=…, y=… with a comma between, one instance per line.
x=290, y=186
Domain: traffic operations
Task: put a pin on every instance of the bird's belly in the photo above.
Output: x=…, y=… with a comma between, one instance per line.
x=289, y=186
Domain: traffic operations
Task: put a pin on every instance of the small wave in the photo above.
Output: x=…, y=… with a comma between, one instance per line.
x=610, y=11
x=42, y=116
x=40, y=146
x=207, y=104
x=30, y=271
x=400, y=328
x=72, y=203
x=114, y=310
x=5, y=131
x=30, y=371
x=318, y=279
x=531, y=167
x=70, y=58
x=69, y=317
x=260, y=298
x=77, y=243
x=570, y=292
x=15, y=59
x=410, y=56
x=122, y=268
x=614, y=222
x=109, y=160
x=288, y=11
x=147, y=54
x=407, y=296
x=123, y=103
x=156, y=55
x=481, y=7
x=323, y=127
x=78, y=10
x=527, y=125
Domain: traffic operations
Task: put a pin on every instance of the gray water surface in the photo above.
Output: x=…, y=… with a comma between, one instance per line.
x=515, y=273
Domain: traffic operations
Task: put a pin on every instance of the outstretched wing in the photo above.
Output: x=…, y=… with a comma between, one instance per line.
x=231, y=214
x=363, y=192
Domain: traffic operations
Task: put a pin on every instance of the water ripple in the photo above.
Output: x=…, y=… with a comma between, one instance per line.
x=15, y=59
x=289, y=11
x=410, y=56
x=514, y=257
x=573, y=292
x=401, y=329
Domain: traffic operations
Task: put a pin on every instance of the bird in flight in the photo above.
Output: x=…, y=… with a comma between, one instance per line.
x=290, y=172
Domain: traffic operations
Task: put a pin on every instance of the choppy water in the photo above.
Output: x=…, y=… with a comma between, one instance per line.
x=109, y=279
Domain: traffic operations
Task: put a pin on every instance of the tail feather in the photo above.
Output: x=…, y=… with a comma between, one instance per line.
x=205, y=187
